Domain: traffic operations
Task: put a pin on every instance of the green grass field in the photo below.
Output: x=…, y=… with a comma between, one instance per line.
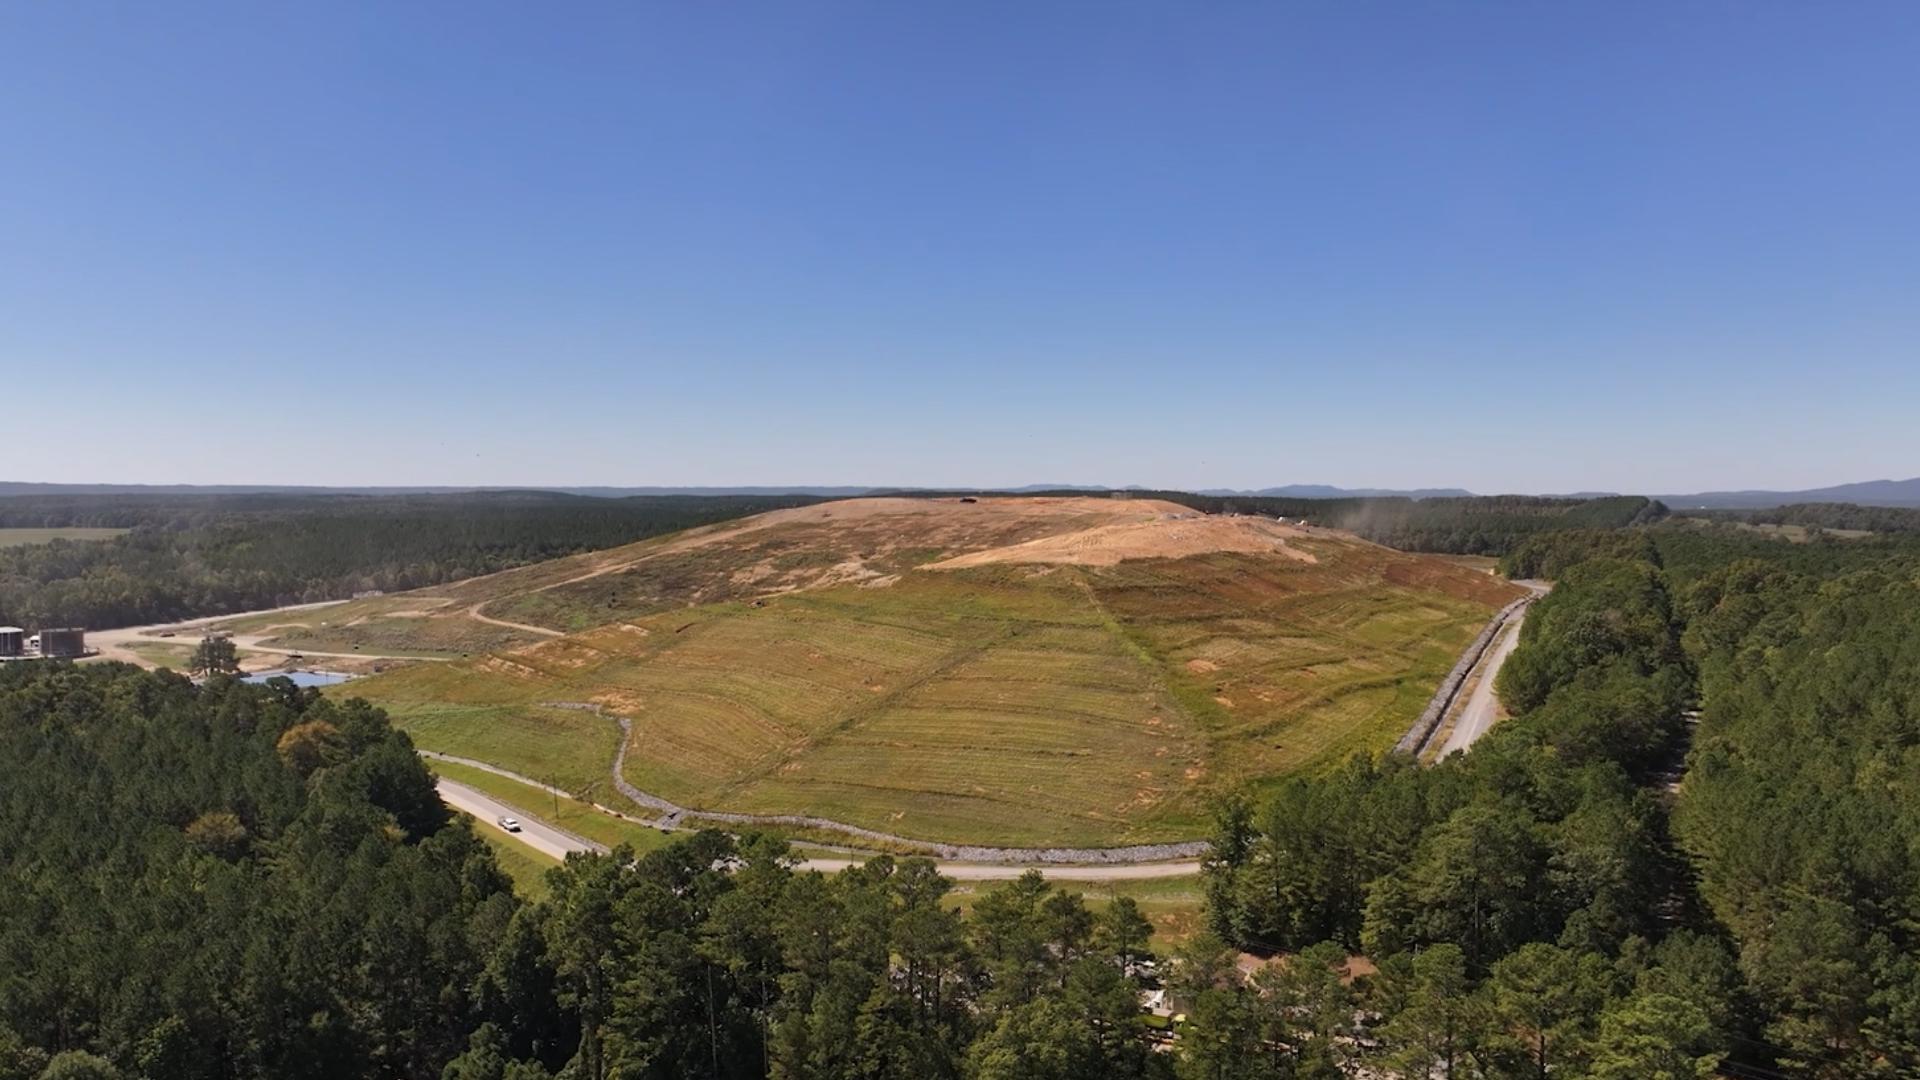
x=18, y=537
x=1006, y=704
x=566, y=748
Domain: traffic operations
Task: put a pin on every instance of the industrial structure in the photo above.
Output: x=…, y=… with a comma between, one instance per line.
x=58, y=643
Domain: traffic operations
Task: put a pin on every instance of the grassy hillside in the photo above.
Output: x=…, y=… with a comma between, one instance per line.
x=803, y=664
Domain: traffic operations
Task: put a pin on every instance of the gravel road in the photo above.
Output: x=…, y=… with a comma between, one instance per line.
x=115, y=644
x=1483, y=706
x=536, y=834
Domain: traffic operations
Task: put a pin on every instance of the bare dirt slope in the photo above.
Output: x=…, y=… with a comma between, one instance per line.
x=1175, y=536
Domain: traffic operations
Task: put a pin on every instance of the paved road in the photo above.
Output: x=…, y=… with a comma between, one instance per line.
x=536, y=834
x=556, y=843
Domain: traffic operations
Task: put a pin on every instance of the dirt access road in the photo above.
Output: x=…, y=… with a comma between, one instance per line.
x=116, y=644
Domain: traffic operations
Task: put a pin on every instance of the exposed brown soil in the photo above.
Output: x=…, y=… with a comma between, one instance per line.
x=1170, y=536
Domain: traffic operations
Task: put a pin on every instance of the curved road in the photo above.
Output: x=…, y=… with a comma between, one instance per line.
x=475, y=614
x=115, y=644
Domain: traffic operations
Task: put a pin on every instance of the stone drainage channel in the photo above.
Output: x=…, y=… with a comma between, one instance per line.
x=1415, y=741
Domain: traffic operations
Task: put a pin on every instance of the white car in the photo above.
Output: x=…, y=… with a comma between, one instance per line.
x=510, y=824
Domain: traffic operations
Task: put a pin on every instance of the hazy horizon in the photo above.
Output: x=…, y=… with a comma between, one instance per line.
x=913, y=486
x=1643, y=249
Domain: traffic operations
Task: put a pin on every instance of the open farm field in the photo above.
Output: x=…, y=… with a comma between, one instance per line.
x=18, y=537
x=1797, y=534
x=1087, y=675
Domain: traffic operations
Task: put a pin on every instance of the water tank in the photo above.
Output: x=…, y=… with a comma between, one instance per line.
x=68, y=641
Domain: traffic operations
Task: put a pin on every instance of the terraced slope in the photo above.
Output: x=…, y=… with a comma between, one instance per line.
x=1020, y=673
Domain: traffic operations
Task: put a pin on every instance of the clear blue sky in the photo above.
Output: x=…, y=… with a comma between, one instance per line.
x=1510, y=247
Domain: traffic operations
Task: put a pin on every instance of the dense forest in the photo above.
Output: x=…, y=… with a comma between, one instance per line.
x=229, y=881
x=238, y=881
x=1764, y=928
x=191, y=555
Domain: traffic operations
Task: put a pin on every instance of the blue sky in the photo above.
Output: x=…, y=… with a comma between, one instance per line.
x=1510, y=247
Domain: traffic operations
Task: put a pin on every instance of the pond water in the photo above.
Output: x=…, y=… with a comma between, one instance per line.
x=301, y=678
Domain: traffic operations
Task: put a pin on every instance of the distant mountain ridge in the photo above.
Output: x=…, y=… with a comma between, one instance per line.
x=1864, y=493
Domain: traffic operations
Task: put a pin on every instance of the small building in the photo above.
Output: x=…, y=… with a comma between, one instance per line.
x=13, y=641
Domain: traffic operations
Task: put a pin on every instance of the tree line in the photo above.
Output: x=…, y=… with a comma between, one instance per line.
x=1877, y=519
x=189, y=556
